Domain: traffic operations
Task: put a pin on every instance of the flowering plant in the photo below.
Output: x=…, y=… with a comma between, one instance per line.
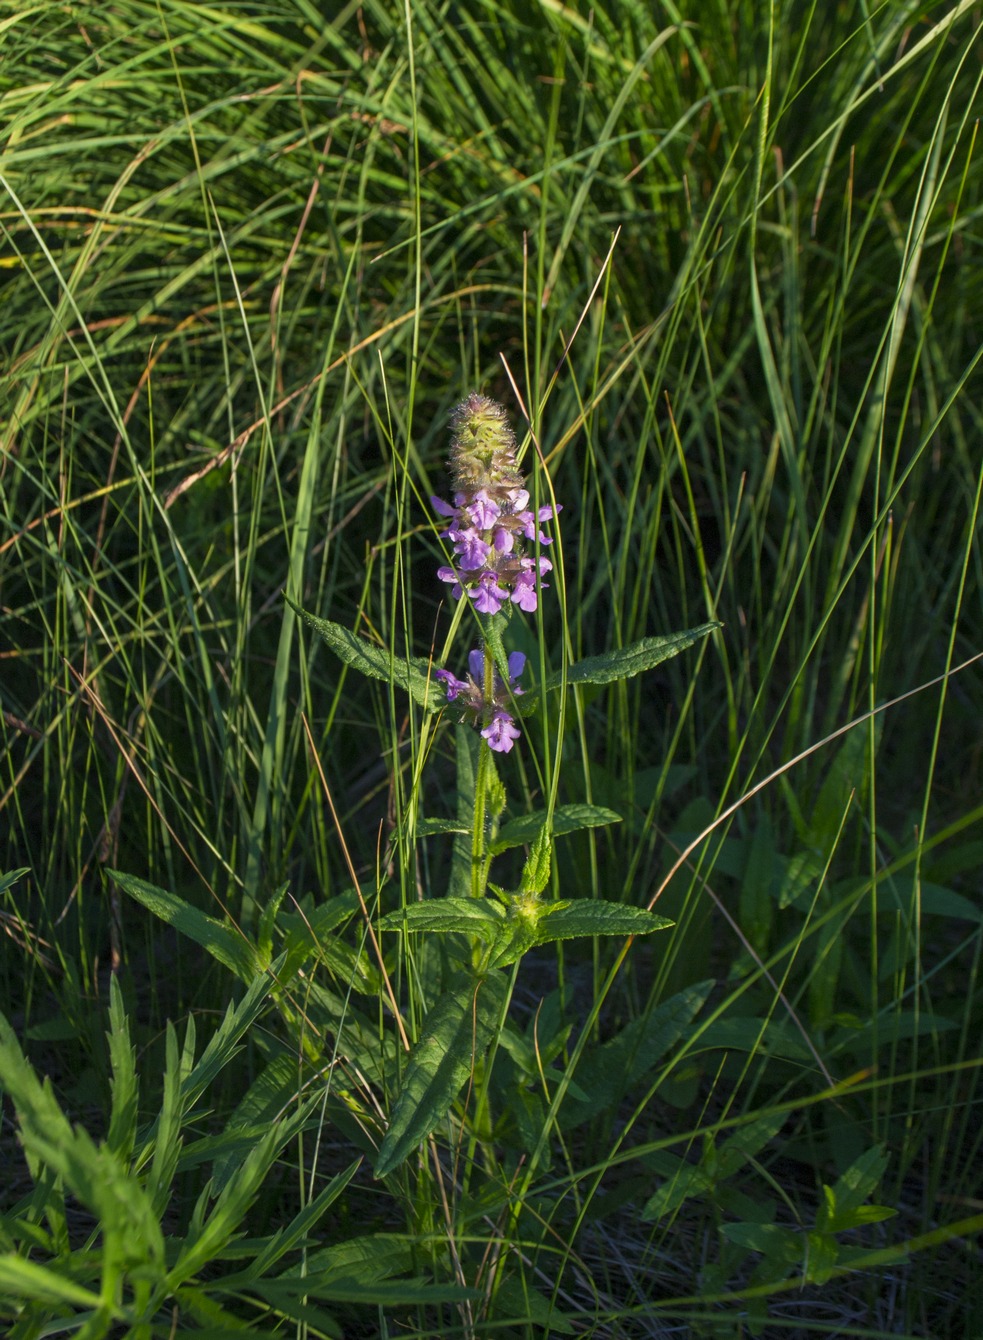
x=494, y=561
x=490, y=520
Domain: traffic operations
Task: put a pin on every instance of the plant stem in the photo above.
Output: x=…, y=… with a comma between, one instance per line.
x=479, y=866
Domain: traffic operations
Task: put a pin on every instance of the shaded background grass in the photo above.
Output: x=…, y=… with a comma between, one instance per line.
x=252, y=257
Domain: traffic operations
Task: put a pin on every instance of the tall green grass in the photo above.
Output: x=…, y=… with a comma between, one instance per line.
x=723, y=262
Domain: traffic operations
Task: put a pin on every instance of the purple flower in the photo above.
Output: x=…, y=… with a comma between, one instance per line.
x=483, y=511
x=454, y=686
x=470, y=548
x=499, y=727
x=501, y=732
x=490, y=517
x=524, y=592
x=488, y=595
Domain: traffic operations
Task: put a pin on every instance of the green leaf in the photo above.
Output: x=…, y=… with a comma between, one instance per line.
x=209, y=1235
x=9, y=880
x=606, y=1073
x=844, y=1200
x=624, y=663
x=684, y=1180
x=123, y=1112
x=773, y=1241
x=95, y=1175
x=519, y=933
x=410, y=673
x=224, y=943
x=393, y=1293
x=20, y=1278
x=300, y=1227
x=376, y=1256
x=456, y=1032
x=467, y=744
x=821, y=1258
x=587, y=916
x=471, y=916
x=566, y=819
x=429, y=827
x=536, y=871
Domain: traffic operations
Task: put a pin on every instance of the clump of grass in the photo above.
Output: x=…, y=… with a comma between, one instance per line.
x=721, y=268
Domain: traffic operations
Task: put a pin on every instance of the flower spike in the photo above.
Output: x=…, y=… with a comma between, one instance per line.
x=490, y=518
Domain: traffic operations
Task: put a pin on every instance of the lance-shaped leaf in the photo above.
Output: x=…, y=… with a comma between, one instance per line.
x=224, y=943
x=530, y=923
x=455, y=1035
x=622, y=663
x=587, y=916
x=566, y=819
x=471, y=916
x=410, y=673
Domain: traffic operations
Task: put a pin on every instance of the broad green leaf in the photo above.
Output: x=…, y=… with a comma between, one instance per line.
x=742, y=1034
x=899, y=895
x=624, y=663
x=472, y=916
x=587, y=916
x=224, y=943
x=313, y=922
x=851, y=1189
x=771, y=1240
x=456, y=1033
x=530, y=923
x=566, y=819
x=412, y=674
x=821, y=1258
x=376, y=1256
x=684, y=1180
x=519, y=932
x=747, y=1141
x=606, y=1073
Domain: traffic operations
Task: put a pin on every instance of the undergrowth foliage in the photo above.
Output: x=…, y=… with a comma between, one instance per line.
x=403, y=930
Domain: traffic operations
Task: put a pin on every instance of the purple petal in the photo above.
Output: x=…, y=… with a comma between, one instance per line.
x=524, y=592
x=517, y=663
x=470, y=549
x=453, y=685
x=483, y=511
x=443, y=508
x=501, y=732
x=488, y=595
x=476, y=664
